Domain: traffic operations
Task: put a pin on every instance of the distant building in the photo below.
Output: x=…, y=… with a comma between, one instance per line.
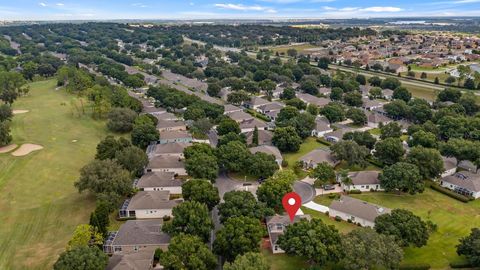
x=363, y=181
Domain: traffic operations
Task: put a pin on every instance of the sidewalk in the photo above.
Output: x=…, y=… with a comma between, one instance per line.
x=317, y=207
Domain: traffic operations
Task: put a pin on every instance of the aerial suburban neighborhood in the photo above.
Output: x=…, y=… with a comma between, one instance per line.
x=141, y=141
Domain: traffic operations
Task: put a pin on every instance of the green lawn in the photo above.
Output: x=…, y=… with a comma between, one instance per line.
x=283, y=261
x=39, y=206
x=308, y=145
x=454, y=220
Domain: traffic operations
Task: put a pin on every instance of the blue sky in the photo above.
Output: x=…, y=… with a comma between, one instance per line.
x=216, y=9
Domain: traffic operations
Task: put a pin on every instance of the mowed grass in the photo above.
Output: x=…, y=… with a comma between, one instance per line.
x=39, y=207
x=454, y=219
x=307, y=146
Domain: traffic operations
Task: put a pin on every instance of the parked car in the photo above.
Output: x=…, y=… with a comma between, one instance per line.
x=328, y=187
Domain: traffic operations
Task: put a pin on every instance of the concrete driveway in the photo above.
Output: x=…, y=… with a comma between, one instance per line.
x=305, y=190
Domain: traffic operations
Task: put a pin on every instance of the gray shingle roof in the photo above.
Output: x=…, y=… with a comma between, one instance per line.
x=158, y=179
x=465, y=179
x=141, y=232
x=152, y=200
x=165, y=162
x=358, y=208
x=140, y=260
x=170, y=148
x=318, y=156
x=365, y=178
x=174, y=134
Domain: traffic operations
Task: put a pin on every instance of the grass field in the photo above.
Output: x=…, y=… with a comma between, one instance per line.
x=308, y=145
x=300, y=48
x=39, y=206
x=454, y=220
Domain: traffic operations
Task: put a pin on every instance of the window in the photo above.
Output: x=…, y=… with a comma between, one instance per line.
x=117, y=249
x=135, y=248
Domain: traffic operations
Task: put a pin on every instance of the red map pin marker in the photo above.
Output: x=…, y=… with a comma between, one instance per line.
x=291, y=203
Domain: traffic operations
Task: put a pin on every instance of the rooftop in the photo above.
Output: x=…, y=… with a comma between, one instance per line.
x=358, y=208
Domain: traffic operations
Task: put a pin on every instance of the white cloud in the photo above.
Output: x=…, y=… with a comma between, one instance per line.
x=139, y=5
x=241, y=7
x=60, y=4
x=381, y=9
x=42, y=4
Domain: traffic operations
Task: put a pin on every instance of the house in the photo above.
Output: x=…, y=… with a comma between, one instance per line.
x=148, y=204
x=167, y=125
x=140, y=260
x=337, y=135
x=276, y=226
x=270, y=110
x=450, y=166
x=363, y=181
x=264, y=137
x=166, y=116
x=317, y=156
x=166, y=164
x=387, y=94
x=175, y=136
x=169, y=149
x=309, y=99
x=240, y=116
x=396, y=68
x=155, y=181
x=325, y=91
x=229, y=108
x=370, y=105
x=357, y=211
x=137, y=236
x=256, y=102
x=374, y=119
x=465, y=183
x=270, y=150
x=322, y=126
x=249, y=125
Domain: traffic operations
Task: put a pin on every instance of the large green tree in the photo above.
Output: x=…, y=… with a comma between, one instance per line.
x=188, y=252
x=272, y=191
x=190, y=217
x=132, y=159
x=286, y=139
x=201, y=191
x=350, y=152
x=142, y=135
x=407, y=228
x=402, y=176
x=202, y=166
x=470, y=247
x=428, y=160
x=242, y=203
x=238, y=236
x=389, y=151
x=314, y=240
x=248, y=261
x=81, y=258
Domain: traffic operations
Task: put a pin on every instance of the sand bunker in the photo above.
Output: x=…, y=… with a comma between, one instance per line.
x=8, y=148
x=19, y=111
x=26, y=149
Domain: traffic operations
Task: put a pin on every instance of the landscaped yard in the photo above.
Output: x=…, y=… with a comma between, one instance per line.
x=454, y=220
x=283, y=261
x=39, y=207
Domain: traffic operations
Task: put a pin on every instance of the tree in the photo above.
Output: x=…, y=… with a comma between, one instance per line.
x=187, y=252
x=6, y=113
x=407, y=228
x=364, y=138
x=334, y=112
x=314, y=240
x=198, y=148
x=366, y=249
x=255, y=137
x=336, y=94
x=12, y=84
x=272, y=191
x=288, y=93
x=104, y=176
x=323, y=62
x=423, y=138
x=375, y=92
x=375, y=81
x=389, y=151
x=228, y=125
x=402, y=176
x=390, y=130
x=402, y=93
x=238, y=236
x=248, y=261
x=201, y=191
x=420, y=112
x=469, y=84
x=292, y=52
x=85, y=235
x=286, y=139
x=470, y=247
x=286, y=114
x=202, y=166
x=357, y=116
x=213, y=89
x=262, y=165
x=132, y=159
x=390, y=83
x=121, y=120
x=396, y=109
x=108, y=147
x=468, y=101
x=436, y=81
x=353, y=99
x=351, y=152
x=100, y=217
x=297, y=103
x=323, y=174
x=238, y=97
x=361, y=79
x=143, y=135
x=5, y=137
x=233, y=156
x=190, y=217
x=450, y=80
x=449, y=94
x=313, y=109
x=81, y=258
x=428, y=160
x=242, y=203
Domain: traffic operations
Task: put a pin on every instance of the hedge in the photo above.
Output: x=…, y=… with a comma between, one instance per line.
x=354, y=191
x=323, y=141
x=419, y=266
x=258, y=115
x=450, y=193
x=461, y=265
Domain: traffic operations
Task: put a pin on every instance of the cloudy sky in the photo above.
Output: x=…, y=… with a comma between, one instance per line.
x=208, y=9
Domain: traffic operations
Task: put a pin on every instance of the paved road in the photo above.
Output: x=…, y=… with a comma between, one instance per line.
x=305, y=190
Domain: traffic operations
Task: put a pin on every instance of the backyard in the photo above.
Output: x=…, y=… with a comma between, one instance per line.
x=39, y=207
x=308, y=145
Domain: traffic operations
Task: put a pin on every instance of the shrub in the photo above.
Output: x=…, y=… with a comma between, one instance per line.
x=166, y=218
x=464, y=264
x=354, y=191
x=284, y=163
x=323, y=141
x=450, y=193
x=337, y=218
x=419, y=266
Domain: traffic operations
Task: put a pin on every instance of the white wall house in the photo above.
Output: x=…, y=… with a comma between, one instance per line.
x=357, y=211
x=465, y=183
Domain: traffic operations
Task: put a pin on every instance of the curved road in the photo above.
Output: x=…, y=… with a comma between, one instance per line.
x=305, y=190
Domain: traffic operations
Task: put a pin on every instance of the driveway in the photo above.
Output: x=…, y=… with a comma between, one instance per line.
x=305, y=190
x=320, y=191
